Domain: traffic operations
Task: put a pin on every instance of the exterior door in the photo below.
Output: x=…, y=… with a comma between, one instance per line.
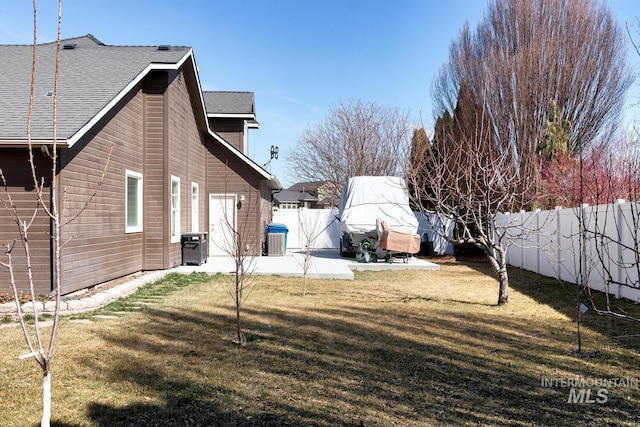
x=222, y=223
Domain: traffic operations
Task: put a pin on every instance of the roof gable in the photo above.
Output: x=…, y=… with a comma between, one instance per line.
x=91, y=76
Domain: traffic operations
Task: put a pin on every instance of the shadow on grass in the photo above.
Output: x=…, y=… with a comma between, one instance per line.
x=402, y=364
x=561, y=296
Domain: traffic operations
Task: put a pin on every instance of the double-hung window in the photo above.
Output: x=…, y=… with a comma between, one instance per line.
x=133, y=202
x=175, y=209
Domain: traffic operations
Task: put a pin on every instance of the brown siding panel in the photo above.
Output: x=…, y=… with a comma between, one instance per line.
x=154, y=184
x=227, y=174
x=186, y=158
x=17, y=172
x=98, y=248
x=231, y=130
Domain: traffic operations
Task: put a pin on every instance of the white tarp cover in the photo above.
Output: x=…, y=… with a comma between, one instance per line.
x=364, y=199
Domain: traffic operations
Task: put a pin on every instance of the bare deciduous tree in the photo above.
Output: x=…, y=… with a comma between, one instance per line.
x=41, y=345
x=469, y=180
x=356, y=139
x=235, y=225
x=526, y=54
x=310, y=228
x=42, y=353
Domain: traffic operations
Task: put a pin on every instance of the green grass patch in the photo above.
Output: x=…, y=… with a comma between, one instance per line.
x=150, y=293
x=411, y=348
x=28, y=318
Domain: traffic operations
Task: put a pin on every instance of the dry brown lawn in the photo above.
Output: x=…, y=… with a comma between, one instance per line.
x=390, y=348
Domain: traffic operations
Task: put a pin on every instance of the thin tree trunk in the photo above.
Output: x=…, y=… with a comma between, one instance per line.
x=238, y=324
x=304, y=284
x=498, y=260
x=238, y=304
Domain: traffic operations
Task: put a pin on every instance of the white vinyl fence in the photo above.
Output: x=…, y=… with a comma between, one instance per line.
x=549, y=243
x=324, y=227
x=320, y=224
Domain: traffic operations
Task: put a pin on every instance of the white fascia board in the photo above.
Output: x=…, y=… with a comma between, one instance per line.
x=242, y=157
x=153, y=66
x=200, y=95
x=232, y=116
x=276, y=182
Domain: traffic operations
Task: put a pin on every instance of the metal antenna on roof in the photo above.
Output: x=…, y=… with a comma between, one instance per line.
x=274, y=155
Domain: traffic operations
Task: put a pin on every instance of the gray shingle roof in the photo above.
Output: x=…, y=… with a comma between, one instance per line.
x=292, y=196
x=92, y=74
x=229, y=103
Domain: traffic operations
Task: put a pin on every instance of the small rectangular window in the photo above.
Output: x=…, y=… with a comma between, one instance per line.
x=195, y=208
x=133, y=202
x=175, y=209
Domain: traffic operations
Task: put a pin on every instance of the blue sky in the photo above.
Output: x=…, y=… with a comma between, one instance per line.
x=299, y=57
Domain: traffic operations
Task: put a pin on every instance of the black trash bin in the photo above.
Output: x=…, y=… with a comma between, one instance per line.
x=194, y=248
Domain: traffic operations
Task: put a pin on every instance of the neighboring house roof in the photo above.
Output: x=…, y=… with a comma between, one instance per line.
x=93, y=78
x=307, y=186
x=322, y=190
x=230, y=104
x=293, y=196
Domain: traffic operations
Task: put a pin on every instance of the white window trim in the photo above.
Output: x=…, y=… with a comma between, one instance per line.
x=137, y=228
x=174, y=233
x=195, y=207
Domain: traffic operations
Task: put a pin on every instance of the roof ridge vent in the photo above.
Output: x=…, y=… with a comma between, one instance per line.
x=164, y=47
x=69, y=46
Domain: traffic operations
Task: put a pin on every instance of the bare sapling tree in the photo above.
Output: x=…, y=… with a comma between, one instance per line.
x=40, y=344
x=602, y=188
x=310, y=229
x=609, y=248
x=356, y=139
x=462, y=176
x=237, y=226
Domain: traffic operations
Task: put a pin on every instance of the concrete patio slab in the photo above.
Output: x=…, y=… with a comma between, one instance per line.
x=324, y=264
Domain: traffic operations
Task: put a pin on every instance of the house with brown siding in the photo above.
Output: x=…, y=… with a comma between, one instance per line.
x=136, y=116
